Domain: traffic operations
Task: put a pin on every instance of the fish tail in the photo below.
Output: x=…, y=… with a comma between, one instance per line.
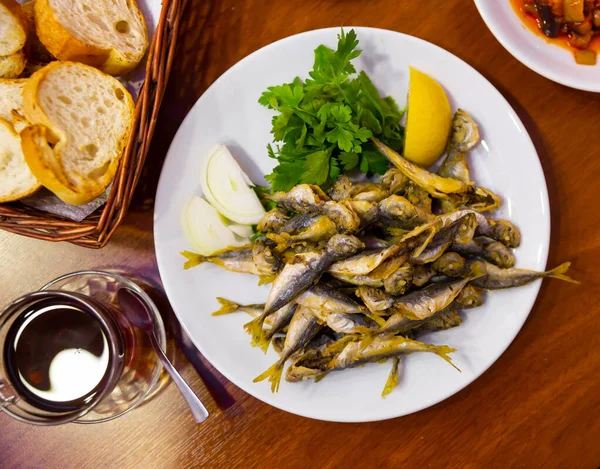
x=560, y=271
x=443, y=351
x=264, y=341
x=226, y=307
x=274, y=375
x=264, y=279
x=393, y=377
x=193, y=259
x=255, y=329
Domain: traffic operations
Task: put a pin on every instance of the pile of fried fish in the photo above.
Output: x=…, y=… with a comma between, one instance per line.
x=359, y=273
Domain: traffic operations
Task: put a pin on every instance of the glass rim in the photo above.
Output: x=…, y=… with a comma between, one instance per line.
x=100, y=314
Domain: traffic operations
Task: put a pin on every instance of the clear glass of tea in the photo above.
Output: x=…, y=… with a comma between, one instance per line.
x=68, y=353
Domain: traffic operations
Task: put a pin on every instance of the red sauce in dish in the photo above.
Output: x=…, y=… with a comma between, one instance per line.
x=562, y=40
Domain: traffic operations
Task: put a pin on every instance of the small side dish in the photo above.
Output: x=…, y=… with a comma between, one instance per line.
x=574, y=24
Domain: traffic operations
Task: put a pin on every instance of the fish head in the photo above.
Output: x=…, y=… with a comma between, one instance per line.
x=342, y=246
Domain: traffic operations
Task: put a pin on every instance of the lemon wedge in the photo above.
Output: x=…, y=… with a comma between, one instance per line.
x=429, y=120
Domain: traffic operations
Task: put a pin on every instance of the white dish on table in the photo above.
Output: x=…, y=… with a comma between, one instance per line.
x=505, y=161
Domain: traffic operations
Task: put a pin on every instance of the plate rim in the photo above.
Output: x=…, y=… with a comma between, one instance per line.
x=538, y=67
x=390, y=415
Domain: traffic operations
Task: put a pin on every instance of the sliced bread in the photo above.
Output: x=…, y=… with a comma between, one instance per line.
x=16, y=179
x=13, y=27
x=12, y=65
x=80, y=122
x=108, y=34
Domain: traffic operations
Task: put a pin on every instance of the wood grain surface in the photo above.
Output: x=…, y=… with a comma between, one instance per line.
x=538, y=405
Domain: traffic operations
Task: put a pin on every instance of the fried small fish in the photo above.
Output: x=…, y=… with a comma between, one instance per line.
x=397, y=211
x=422, y=304
x=382, y=347
x=488, y=249
x=232, y=259
x=358, y=352
x=341, y=189
x=496, y=278
x=273, y=221
x=436, y=185
x=303, y=327
x=450, y=264
x=318, y=229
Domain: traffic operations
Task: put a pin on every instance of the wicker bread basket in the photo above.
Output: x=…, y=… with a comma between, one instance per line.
x=96, y=230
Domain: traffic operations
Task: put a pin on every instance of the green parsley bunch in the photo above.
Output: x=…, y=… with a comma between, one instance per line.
x=324, y=124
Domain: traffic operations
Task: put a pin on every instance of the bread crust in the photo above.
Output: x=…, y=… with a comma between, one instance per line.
x=64, y=46
x=42, y=142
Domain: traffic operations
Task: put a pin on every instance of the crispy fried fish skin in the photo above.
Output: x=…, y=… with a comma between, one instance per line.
x=496, y=278
x=232, y=259
x=358, y=352
x=436, y=185
x=422, y=304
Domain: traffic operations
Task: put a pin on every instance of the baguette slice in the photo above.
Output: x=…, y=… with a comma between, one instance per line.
x=13, y=27
x=16, y=179
x=108, y=34
x=80, y=123
x=12, y=65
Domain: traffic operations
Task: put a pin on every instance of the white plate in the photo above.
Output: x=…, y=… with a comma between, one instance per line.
x=552, y=61
x=228, y=112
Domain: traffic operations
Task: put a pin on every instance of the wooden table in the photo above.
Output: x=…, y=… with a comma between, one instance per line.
x=538, y=405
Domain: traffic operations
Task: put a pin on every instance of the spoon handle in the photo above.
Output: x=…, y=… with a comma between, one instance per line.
x=198, y=410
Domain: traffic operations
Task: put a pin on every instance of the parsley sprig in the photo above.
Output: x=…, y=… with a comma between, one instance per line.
x=324, y=124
